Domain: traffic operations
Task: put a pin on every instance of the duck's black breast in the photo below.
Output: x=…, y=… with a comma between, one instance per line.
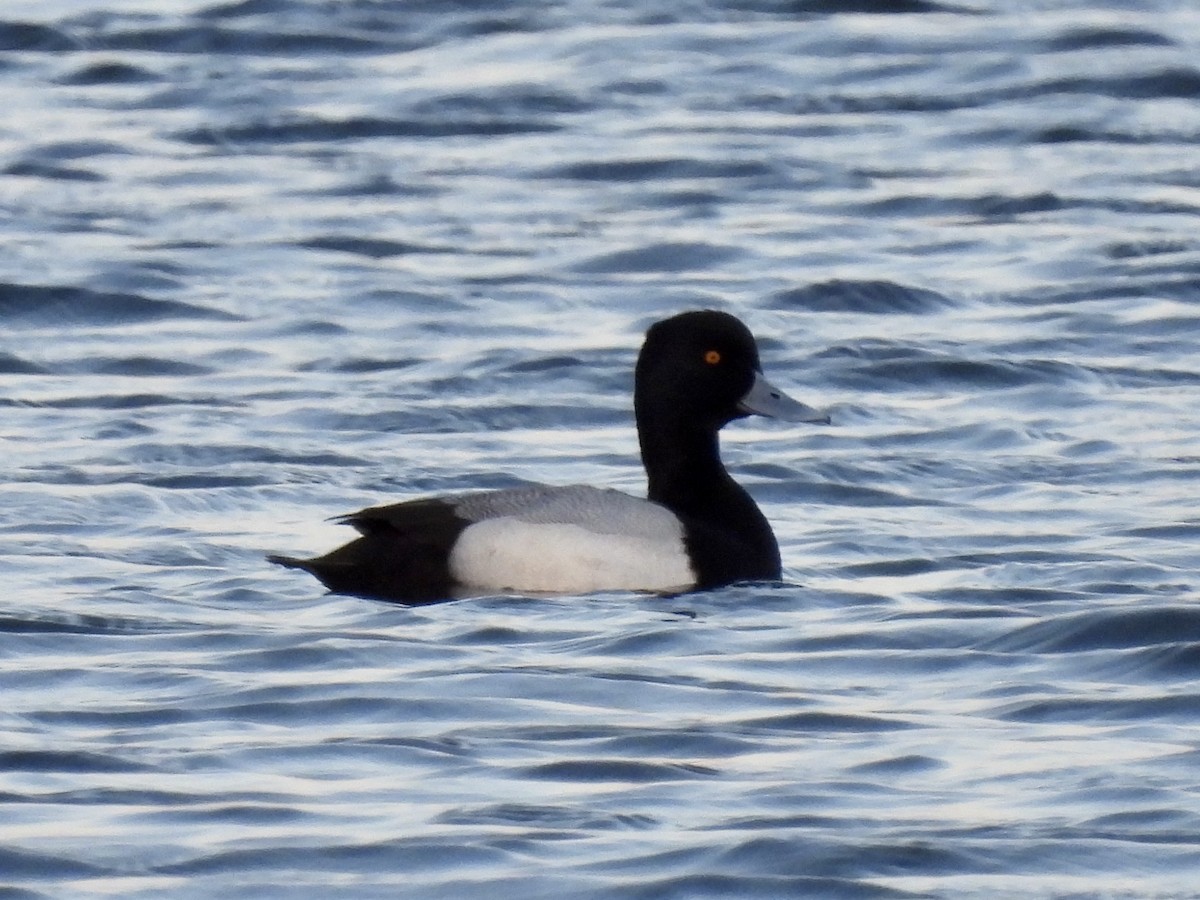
x=728, y=538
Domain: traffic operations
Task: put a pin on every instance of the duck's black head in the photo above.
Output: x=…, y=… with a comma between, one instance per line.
x=701, y=370
x=696, y=367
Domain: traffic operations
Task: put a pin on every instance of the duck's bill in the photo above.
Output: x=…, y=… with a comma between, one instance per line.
x=764, y=399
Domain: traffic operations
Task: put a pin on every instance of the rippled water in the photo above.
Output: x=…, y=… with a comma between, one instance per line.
x=270, y=261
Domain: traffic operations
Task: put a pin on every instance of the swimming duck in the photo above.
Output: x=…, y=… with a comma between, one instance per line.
x=696, y=529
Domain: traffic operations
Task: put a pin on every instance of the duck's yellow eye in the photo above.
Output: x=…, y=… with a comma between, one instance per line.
x=712, y=357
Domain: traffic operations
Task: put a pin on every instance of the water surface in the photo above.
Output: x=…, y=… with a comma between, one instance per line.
x=267, y=262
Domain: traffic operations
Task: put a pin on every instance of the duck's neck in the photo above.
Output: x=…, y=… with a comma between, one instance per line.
x=728, y=537
x=685, y=473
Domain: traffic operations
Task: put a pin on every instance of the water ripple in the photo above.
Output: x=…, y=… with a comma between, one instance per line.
x=271, y=261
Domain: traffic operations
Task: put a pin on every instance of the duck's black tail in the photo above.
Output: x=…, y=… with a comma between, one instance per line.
x=380, y=566
x=290, y=562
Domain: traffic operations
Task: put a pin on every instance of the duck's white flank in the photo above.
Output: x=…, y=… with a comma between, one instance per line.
x=569, y=540
x=511, y=555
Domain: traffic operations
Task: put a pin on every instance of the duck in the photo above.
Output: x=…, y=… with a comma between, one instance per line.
x=696, y=528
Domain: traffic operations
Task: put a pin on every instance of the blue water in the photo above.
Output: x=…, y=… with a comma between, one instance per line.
x=266, y=262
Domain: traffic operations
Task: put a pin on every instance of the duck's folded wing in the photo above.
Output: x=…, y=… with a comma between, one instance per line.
x=571, y=539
